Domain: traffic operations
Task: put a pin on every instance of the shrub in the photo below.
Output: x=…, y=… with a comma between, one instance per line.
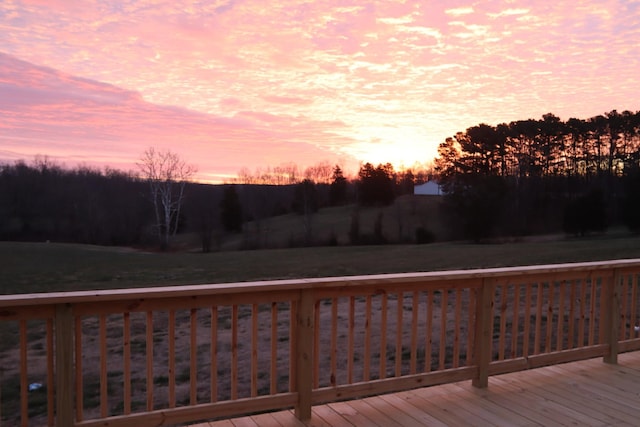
x=424, y=236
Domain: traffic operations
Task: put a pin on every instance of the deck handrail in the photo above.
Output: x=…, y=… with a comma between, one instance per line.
x=164, y=355
x=39, y=298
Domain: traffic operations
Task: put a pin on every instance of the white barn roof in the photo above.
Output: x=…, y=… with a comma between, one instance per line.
x=430, y=188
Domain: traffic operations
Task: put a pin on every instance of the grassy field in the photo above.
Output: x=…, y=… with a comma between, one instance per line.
x=43, y=267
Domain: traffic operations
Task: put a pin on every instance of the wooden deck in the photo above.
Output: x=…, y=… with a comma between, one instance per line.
x=586, y=393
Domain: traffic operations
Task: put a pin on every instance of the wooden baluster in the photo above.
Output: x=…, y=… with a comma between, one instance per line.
x=172, y=358
x=526, y=335
x=572, y=316
x=471, y=306
x=193, y=356
x=456, y=336
x=293, y=333
x=367, y=341
x=604, y=311
x=503, y=321
x=316, y=345
x=24, y=382
x=149, y=361
x=234, y=352
x=428, y=332
x=50, y=375
x=126, y=355
x=213, y=385
x=333, y=372
x=538, y=328
x=399, y=321
x=515, y=320
x=444, y=308
x=78, y=369
x=581, y=324
x=415, y=300
x=273, y=369
x=350, y=338
x=612, y=317
x=624, y=305
x=561, y=316
x=383, y=336
x=254, y=350
x=550, y=298
x=104, y=396
x=592, y=313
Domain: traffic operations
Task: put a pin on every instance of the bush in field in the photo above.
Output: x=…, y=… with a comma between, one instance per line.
x=424, y=236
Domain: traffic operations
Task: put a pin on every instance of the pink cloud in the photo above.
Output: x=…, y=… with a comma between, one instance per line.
x=83, y=121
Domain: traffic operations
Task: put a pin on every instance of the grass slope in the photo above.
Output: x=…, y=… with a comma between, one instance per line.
x=399, y=223
x=45, y=267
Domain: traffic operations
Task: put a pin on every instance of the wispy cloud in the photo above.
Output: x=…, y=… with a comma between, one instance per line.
x=458, y=11
x=509, y=12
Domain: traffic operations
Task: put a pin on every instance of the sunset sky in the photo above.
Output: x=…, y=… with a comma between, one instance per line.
x=229, y=84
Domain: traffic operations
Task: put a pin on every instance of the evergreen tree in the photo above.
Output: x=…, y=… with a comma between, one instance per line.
x=231, y=210
x=338, y=188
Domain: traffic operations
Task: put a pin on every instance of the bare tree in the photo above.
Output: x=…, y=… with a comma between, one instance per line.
x=167, y=175
x=320, y=173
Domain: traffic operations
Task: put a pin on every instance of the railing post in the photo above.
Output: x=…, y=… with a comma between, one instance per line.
x=64, y=365
x=483, y=333
x=612, y=317
x=304, y=354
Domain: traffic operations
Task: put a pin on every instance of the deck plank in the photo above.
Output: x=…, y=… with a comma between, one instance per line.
x=525, y=403
x=549, y=384
x=366, y=408
x=244, y=422
x=501, y=413
x=440, y=406
x=266, y=420
x=421, y=416
x=329, y=417
x=287, y=419
x=608, y=410
x=585, y=393
x=354, y=416
x=558, y=408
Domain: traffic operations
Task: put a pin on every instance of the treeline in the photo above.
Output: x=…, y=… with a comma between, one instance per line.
x=541, y=176
x=43, y=201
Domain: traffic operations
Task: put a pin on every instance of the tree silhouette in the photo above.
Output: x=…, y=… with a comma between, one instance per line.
x=231, y=210
x=546, y=164
x=166, y=174
x=305, y=203
x=586, y=214
x=338, y=187
x=376, y=185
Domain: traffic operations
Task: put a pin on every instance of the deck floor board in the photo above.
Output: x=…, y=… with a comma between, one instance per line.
x=585, y=393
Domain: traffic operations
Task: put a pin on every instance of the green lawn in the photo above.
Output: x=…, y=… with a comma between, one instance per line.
x=42, y=267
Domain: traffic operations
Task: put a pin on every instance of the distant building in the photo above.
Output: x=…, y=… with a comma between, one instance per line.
x=430, y=188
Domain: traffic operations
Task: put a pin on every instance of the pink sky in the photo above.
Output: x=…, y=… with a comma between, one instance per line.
x=233, y=84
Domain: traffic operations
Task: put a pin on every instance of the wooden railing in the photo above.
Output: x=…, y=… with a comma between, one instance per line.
x=161, y=356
